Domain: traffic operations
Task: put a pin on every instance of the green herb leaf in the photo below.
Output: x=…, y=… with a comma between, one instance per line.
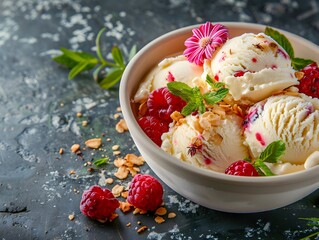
x=113, y=76
x=213, y=84
x=180, y=89
x=189, y=108
x=300, y=63
x=101, y=161
x=132, y=52
x=313, y=222
x=296, y=63
x=117, y=56
x=273, y=152
x=262, y=168
x=194, y=98
x=215, y=97
x=281, y=40
x=107, y=73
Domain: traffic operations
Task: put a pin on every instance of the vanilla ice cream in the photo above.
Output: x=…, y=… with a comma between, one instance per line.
x=170, y=69
x=252, y=66
x=292, y=119
x=206, y=141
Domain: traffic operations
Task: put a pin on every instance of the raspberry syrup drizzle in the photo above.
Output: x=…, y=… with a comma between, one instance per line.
x=260, y=139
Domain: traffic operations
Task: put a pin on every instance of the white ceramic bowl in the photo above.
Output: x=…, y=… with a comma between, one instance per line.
x=211, y=189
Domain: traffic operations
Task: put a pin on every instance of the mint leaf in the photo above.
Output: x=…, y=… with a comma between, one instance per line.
x=300, y=63
x=213, y=84
x=281, y=40
x=189, y=108
x=273, y=152
x=101, y=161
x=194, y=98
x=296, y=63
x=262, y=168
x=215, y=97
x=180, y=89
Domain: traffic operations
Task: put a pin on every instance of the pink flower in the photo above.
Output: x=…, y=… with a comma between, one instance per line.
x=205, y=40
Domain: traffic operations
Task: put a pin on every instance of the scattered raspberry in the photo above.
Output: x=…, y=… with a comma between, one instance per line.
x=309, y=83
x=241, y=168
x=153, y=128
x=161, y=104
x=145, y=192
x=98, y=203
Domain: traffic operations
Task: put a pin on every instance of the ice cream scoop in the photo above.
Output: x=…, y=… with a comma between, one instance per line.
x=252, y=66
x=206, y=141
x=292, y=119
x=170, y=69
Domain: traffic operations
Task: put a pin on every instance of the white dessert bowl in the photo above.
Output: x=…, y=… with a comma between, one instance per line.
x=218, y=191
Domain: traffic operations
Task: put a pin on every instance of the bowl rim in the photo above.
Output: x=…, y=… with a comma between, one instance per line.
x=134, y=128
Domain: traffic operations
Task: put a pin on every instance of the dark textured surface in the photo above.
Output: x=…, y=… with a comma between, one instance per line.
x=38, y=107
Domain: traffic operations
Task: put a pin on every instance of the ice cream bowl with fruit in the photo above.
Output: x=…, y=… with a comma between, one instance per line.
x=226, y=114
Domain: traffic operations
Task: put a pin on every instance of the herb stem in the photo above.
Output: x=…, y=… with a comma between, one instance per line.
x=98, y=47
x=310, y=236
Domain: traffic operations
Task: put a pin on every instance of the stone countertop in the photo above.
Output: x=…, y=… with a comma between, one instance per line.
x=39, y=188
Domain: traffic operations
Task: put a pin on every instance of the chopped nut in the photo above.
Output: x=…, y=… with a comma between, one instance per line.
x=118, y=109
x=84, y=123
x=71, y=217
x=71, y=172
x=115, y=147
x=114, y=215
x=171, y=215
x=140, y=211
x=159, y=219
x=125, y=206
x=176, y=116
x=121, y=126
x=141, y=229
x=61, y=151
x=75, y=148
x=142, y=109
x=79, y=114
x=109, y=180
x=299, y=75
x=161, y=211
x=90, y=169
x=121, y=173
x=117, y=190
x=139, y=161
x=94, y=143
x=108, y=139
x=115, y=153
x=119, y=162
x=128, y=224
x=116, y=116
x=124, y=194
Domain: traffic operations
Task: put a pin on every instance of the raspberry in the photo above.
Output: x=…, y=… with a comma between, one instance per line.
x=161, y=104
x=153, y=128
x=309, y=83
x=145, y=192
x=241, y=168
x=98, y=203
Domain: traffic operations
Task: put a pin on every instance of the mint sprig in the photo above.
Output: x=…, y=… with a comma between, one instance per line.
x=101, y=161
x=312, y=222
x=282, y=40
x=271, y=154
x=195, y=100
x=106, y=73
